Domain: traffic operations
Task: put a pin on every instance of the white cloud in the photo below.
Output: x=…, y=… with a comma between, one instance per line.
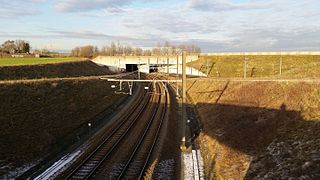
x=19, y=8
x=88, y=5
x=215, y=25
x=226, y=5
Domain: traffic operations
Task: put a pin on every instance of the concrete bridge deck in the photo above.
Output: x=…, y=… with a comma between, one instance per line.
x=147, y=64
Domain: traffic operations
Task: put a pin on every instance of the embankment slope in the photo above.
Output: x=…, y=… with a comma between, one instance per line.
x=258, y=66
x=40, y=118
x=53, y=70
x=44, y=118
x=256, y=130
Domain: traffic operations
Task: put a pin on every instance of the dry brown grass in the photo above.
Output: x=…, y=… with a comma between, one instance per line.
x=293, y=66
x=56, y=70
x=44, y=117
x=242, y=119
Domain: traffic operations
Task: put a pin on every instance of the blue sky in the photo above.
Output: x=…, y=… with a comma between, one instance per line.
x=214, y=25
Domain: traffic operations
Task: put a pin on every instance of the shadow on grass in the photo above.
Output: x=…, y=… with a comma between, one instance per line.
x=54, y=70
x=282, y=143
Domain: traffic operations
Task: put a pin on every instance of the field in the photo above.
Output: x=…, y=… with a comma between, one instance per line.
x=32, y=61
x=300, y=66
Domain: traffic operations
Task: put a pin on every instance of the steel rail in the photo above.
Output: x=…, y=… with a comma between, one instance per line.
x=156, y=138
x=135, y=152
x=108, y=138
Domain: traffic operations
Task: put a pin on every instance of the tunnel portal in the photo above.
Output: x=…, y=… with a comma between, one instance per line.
x=131, y=67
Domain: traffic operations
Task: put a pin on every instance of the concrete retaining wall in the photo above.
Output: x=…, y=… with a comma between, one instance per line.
x=118, y=63
x=121, y=61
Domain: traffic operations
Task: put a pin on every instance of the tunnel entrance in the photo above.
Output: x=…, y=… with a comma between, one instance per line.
x=153, y=68
x=131, y=67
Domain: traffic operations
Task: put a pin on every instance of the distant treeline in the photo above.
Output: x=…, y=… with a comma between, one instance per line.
x=13, y=47
x=116, y=49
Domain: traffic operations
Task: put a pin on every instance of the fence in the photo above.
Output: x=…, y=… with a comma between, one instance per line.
x=263, y=53
x=250, y=66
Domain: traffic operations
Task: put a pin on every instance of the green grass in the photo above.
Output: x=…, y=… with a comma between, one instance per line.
x=32, y=61
x=301, y=66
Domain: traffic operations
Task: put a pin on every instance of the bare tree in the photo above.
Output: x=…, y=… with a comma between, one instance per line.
x=8, y=47
x=22, y=46
x=147, y=52
x=116, y=49
x=85, y=51
x=138, y=52
x=75, y=52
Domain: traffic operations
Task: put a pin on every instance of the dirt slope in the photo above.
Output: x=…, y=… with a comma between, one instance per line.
x=55, y=70
x=259, y=130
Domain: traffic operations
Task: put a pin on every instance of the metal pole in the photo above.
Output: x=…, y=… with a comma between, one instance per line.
x=139, y=69
x=157, y=66
x=200, y=66
x=207, y=67
x=184, y=101
x=191, y=69
x=280, y=71
x=89, y=125
x=149, y=64
x=119, y=66
x=177, y=75
x=245, y=68
x=130, y=87
x=168, y=66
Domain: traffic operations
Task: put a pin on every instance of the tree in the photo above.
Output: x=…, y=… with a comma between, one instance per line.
x=113, y=49
x=138, y=52
x=95, y=51
x=22, y=46
x=75, y=52
x=116, y=49
x=147, y=52
x=27, y=48
x=128, y=50
x=18, y=46
x=8, y=47
x=85, y=51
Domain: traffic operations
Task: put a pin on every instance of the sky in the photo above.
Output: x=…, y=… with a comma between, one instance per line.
x=213, y=25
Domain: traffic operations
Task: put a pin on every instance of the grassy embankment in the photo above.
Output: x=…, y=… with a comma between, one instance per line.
x=255, y=130
x=52, y=70
x=302, y=66
x=259, y=130
x=42, y=118
x=33, y=61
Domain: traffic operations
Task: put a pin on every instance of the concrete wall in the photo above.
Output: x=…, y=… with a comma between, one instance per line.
x=189, y=70
x=118, y=63
x=121, y=61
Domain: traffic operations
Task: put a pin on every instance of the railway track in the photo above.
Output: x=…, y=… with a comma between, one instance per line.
x=136, y=164
x=129, y=145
